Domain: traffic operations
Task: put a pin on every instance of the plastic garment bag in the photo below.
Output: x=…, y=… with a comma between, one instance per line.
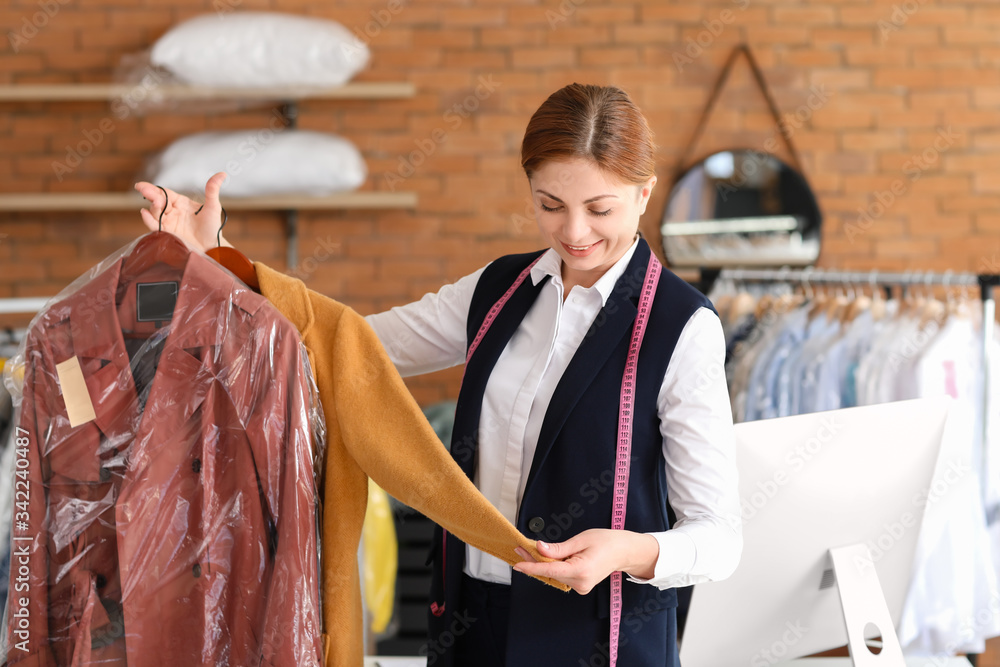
x=165, y=484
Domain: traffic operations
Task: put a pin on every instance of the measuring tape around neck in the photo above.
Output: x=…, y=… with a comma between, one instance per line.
x=497, y=307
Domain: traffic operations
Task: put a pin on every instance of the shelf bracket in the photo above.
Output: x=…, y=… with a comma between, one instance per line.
x=291, y=239
x=290, y=113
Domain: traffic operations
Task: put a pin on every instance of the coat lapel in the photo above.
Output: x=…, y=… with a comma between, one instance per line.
x=603, y=338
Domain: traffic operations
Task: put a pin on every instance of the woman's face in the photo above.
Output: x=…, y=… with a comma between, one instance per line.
x=586, y=216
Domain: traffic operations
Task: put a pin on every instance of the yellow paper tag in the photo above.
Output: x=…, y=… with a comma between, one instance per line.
x=79, y=407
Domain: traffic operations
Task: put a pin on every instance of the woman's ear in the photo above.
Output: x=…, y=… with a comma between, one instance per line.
x=645, y=190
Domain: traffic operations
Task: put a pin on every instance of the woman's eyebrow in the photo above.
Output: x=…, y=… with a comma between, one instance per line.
x=588, y=201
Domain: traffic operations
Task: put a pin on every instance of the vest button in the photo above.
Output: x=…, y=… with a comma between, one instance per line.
x=196, y=465
x=536, y=525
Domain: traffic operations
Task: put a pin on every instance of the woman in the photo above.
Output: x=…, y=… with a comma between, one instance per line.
x=621, y=463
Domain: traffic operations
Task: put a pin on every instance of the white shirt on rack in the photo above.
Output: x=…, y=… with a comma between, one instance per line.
x=693, y=404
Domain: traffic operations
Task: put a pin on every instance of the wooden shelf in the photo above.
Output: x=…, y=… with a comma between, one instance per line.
x=26, y=92
x=112, y=201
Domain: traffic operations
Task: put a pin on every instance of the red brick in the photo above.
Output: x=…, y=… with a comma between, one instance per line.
x=986, y=140
x=985, y=182
x=863, y=15
x=988, y=222
x=610, y=57
x=871, y=140
x=907, y=247
x=512, y=37
x=877, y=55
x=949, y=101
x=929, y=15
x=813, y=57
x=604, y=15
x=842, y=119
x=465, y=17
x=543, y=58
x=443, y=39
x=681, y=12
x=911, y=118
x=636, y=34
x=966, y=35
x=590, y=36
x=842, y=37
x=841, y=79
x=815, y=15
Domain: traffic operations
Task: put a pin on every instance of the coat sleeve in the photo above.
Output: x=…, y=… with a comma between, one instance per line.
x=280, y=435
x=27, y=640
x=385, y=431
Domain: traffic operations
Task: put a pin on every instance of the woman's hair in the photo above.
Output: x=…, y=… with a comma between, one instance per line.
x=598, y=123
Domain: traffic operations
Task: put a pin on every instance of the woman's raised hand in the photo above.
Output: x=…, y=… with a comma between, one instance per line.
x=182, y=217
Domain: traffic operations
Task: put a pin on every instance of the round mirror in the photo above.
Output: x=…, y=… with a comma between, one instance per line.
x=741, y=208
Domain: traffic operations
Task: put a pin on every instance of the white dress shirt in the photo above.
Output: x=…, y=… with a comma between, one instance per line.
x=693, y=405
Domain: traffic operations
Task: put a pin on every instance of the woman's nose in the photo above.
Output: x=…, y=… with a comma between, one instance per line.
x=575, y=228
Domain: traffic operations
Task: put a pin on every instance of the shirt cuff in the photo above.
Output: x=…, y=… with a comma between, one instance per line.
x=677, y=557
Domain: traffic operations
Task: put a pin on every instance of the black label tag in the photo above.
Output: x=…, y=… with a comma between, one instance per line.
x=155, y=301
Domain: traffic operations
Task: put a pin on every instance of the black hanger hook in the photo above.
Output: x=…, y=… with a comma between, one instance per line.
x=218, y=234
x=166, y=201
x=225, y=219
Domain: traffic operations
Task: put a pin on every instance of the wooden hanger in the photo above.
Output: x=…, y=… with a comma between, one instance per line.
x=232, y=259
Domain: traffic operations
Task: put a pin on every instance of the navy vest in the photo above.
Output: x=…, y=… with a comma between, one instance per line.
x=570, y=484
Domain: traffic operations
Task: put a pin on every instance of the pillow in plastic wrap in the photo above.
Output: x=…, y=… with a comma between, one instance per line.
x=261, y=162
x=257, y=49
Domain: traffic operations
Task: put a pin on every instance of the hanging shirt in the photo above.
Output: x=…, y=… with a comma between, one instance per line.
x=694, y=411
x=169, y=498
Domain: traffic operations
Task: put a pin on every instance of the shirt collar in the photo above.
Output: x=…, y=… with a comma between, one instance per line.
x=550, y=264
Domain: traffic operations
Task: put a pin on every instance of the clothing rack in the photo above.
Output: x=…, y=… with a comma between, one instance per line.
x=809, y=276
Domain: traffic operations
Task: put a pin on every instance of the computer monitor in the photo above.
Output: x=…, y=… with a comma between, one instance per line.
x=809, y=484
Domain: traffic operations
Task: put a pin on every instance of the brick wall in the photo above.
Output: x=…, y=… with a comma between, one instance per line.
x=893, y=107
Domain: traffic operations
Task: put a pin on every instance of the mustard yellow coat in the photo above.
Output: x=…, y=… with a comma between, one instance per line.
x=375, y=429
